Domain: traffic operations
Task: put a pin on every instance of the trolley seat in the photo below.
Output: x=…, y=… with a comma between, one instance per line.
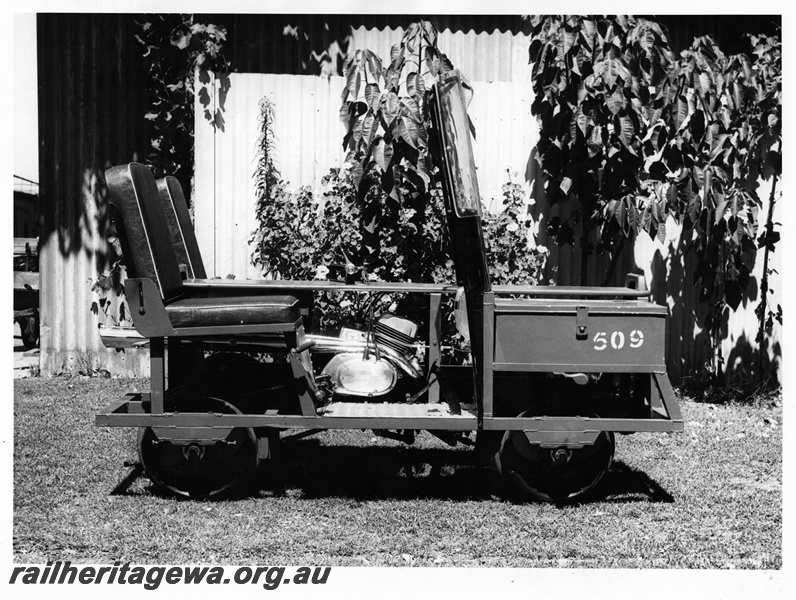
x=161, y=305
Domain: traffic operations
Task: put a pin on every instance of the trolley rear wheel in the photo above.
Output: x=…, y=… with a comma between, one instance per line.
x=199, y=468
x=557, y=475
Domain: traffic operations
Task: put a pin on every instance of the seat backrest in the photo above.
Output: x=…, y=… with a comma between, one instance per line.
x=144, y=234
x=183, y=238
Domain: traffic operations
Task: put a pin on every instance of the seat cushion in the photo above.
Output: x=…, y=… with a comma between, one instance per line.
x=234, y=310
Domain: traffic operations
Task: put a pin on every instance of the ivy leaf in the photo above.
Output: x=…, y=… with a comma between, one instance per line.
x=626, y=131
x=634, y=218
x=533, y=50
x=411, y=84
x=661, y=236
x=345, y=112
x=353, y=82
x=721, y=206
x=374, y=65
x=392, y=105
x=680, y=113
x=694, y=205
x=610, y=70
x=368, y=128
x=671, y=196
x=382, y=154
x=181, y=39
x=621, y=214
x=616, y=101
x=407, y=129
x=372, y=95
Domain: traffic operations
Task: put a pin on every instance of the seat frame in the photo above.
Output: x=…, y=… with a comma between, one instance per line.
x=157, y=283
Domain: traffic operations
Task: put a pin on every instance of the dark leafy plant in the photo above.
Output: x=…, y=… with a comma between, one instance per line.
x=298, y=235
x=601, y=84
x=386, y=117
x=722, y=133
x=179, y=53
x=109, y=288
x=632, y=137
x=506, y=235
x=767, y=67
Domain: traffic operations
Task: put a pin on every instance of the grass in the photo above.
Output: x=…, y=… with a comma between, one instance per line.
x=708, y=498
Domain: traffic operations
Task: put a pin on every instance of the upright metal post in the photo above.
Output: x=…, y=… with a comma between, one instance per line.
x=434, y=349
x=488, y=355
x=157, y=373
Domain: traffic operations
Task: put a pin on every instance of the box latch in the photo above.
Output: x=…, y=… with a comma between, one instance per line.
x=582, y=323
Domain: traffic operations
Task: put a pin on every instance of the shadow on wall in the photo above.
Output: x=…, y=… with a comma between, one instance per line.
x=670, y=274
x=671, y=284
x=689, y=348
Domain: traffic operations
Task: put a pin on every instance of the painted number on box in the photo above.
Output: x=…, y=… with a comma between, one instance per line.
x=617, y=340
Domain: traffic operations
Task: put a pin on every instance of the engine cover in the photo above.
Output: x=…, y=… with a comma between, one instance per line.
x=352, y=375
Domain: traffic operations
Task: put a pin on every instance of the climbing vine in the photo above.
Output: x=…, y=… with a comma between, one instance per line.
x=179, y=54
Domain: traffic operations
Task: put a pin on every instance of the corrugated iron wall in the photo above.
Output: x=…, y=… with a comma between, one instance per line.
x=318, y=44
x=91, y=98
x=670, y=268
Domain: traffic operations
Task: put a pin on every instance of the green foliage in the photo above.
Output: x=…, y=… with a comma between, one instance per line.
x=634, y=137
x=386, y=118
x=299, y=234
x=600, y=85
x=179, y=52
x=506, y=235
x=768, y=69
x=385, y=112
x=110, y=299
x=384, y=210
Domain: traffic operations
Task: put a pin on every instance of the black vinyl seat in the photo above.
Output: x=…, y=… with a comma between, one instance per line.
x=153, y=266
x=183, y=238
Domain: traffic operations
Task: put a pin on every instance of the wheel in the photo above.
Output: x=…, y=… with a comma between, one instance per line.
x=557, y=475
x=197, y=470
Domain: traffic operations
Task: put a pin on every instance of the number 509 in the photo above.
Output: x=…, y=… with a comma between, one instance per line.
x=617, y=340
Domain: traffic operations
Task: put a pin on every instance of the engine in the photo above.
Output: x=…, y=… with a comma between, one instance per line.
x=370, y=364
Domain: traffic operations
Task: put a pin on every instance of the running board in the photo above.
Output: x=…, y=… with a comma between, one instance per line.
x=390, y=410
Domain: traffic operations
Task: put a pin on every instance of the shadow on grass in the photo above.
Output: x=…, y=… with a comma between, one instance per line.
x=623, y=483
x=308, y=470
x=397, y=472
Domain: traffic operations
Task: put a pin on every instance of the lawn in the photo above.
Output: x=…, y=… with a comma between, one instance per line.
x=708, y=498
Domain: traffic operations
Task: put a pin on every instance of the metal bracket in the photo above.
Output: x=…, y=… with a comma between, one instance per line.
x=562, y=439
x=582, y=323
